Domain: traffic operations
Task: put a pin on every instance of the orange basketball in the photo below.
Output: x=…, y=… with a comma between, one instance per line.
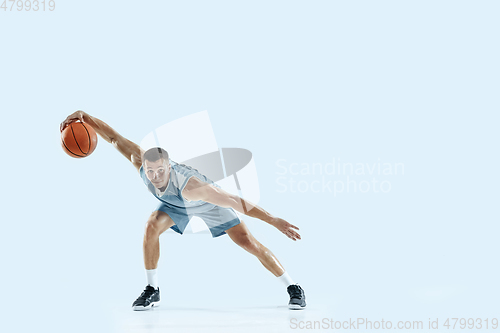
x=78, y=139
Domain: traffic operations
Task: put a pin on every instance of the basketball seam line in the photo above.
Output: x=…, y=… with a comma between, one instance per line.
x=70, y=150
x=88, y=134
x=71, y=126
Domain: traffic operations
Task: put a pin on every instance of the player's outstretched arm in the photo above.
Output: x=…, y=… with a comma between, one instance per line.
x=126, y=147
x=198, y=190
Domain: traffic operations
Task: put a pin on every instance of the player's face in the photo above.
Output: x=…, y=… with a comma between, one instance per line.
x=157, y=172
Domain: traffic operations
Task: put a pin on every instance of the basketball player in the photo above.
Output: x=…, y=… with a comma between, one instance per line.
x=184, y=192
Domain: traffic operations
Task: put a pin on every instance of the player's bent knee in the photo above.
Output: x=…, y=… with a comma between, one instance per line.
x=157, y=223
x=156, y=216
x=152, y=227
x=248, y=244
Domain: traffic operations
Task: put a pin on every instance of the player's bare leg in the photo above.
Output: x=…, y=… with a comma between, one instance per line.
x=242, y=236
x=157, y=223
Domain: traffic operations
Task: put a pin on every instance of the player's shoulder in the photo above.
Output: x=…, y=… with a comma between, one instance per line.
x=181, y=168
x=194, y=183
x=196, y=189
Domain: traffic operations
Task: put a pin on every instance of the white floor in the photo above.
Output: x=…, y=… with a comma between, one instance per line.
x=213, y=319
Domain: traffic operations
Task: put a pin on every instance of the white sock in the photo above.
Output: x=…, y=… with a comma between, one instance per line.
x=152, y=277
x=286, y=279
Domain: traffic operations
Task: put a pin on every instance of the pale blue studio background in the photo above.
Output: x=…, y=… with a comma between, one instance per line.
x=296, y=83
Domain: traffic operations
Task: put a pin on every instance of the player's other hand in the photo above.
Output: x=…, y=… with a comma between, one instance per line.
x=286, y=228
x=78, y=115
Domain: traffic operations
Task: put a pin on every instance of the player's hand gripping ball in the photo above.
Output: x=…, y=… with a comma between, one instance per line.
x=78, y=139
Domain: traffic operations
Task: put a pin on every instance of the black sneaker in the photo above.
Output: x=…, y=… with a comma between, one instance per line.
x=297, y=297
x=149, y=298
